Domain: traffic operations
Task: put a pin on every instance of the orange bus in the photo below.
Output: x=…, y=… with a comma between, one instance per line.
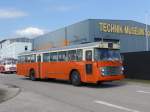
x=90, y=63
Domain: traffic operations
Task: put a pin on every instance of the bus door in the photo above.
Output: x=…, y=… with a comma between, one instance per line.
x=88, y=54
x=39, y=60
x=89, y=69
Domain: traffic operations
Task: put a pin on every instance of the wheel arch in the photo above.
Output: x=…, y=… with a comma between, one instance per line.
x=30, y=70
x=70, y=73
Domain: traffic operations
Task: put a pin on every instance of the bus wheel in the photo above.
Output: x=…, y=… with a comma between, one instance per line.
x=32, y=75
x=75, y=78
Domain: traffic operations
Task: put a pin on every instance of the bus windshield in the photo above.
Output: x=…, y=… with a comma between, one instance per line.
x=106, y=54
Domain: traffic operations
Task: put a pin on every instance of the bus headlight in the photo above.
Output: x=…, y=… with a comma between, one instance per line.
x=122, y=68
x=102, y=70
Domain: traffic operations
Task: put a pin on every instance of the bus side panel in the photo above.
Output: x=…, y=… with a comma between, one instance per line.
x=21, y=69
x=90, y=77
x=62, y=70
x=24, y=69
x=56, y=70
x=80, y=67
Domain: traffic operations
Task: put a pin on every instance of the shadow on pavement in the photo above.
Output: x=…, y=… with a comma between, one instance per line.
x=106, y=84
x=89, y=85
x=8, y=91
x=2, y=95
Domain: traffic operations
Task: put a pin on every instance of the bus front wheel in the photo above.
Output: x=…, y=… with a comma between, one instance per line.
x=75, y=78
x=32, y=75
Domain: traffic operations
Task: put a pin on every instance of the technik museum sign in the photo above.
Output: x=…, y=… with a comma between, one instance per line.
x=123, y=29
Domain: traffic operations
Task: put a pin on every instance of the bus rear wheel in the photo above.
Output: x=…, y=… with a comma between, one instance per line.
x=32, y=75
x=75, y=78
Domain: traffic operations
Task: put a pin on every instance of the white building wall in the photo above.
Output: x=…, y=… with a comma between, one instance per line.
x=11, y=50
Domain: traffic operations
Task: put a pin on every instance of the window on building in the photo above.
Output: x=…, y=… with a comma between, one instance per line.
x=53, y=56
x=26, y=48
x=72, y=55
x=46, y=57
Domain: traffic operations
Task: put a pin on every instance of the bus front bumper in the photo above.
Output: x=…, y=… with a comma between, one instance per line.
x=110, y=78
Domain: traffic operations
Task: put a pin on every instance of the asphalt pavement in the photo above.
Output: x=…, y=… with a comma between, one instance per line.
x=60, y=96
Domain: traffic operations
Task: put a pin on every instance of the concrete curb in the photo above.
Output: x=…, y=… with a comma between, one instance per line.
x=8, y=91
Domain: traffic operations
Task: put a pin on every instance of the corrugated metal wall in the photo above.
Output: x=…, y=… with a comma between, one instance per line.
x=73, y=34
x=87, y=31
x=129, y=43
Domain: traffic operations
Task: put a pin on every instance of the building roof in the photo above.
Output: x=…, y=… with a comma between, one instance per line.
x=19, y=39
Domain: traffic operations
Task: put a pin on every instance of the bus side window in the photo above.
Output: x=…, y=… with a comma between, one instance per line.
x=53, y=56
x=29, y=58
x=88, y=55
x=46, y=57
x=72, y=55
x=33, y=58
x=25, y=59
x=62, y=56
x=39, y=58
x=22, y=59
x=19, y=59
x=79, y=54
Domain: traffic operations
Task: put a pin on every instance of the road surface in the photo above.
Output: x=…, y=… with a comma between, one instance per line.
x=60, y=96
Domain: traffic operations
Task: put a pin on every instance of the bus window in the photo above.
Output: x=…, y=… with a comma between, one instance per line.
x=33, y=58
x=27, y=58
x=79, y=54
x=72, y=55
x=19, y=59
x=46, y=57
x=22, y=59
x=39, y=58
x=62, y=56
x=88, y=55
x=106, y=54
x=53, y=56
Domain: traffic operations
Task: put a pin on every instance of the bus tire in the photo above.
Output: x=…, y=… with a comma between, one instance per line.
x=75, y=78
x=32, y=75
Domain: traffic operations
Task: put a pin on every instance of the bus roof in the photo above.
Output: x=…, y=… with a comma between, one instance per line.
x=71, y=47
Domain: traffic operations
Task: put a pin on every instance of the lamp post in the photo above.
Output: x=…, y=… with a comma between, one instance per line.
x=146, y=34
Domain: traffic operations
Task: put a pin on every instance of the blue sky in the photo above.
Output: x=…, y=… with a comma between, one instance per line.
x=24, y=17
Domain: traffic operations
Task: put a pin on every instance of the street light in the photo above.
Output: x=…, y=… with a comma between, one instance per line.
x=146, y=27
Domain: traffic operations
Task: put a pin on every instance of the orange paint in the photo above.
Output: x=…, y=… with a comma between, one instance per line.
x=62, y=70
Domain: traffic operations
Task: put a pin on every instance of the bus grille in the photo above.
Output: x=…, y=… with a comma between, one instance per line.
x=111, y=70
